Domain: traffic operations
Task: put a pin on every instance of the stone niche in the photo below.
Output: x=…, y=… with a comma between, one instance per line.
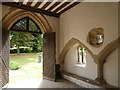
x=96, y=37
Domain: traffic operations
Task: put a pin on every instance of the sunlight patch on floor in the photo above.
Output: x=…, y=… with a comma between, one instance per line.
x=27, y=84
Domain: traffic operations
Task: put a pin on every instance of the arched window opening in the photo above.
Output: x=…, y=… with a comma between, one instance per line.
x=81, y=55
x=26, y=24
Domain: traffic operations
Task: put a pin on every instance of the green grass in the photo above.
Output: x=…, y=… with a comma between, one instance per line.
x=13, y=65
x=30, y=67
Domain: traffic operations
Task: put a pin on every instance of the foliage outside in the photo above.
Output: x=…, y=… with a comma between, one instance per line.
x=25, y=42
x=20, y=40
x=14, y=65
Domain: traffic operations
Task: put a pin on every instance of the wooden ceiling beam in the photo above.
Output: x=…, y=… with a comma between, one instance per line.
x=53, y=6
x=69, y=7
x=62, y=6
x=29, y=2
x=37, y=4
x=21, y=1
x=26, y=31
x=48, y=3
x=20, y=6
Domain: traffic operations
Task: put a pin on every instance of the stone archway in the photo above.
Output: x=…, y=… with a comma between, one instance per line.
x=70, y=44
x=12, y=17
x=99, y=59
x=101, y=56
x=16, y=14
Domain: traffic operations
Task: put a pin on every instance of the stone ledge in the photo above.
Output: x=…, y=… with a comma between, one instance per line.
x=85, y=82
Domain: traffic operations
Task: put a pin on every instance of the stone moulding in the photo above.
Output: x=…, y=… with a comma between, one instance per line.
x=70, y=44
x=99, y=59
x=87, y=83
x=15, y=14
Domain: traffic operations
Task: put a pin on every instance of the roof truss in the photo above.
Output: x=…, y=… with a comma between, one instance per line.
x=48, y=7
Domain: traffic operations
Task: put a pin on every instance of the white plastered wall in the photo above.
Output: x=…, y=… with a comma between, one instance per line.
x=70, y=64
x=5, y=10
x=77, y=22
x=111, y=68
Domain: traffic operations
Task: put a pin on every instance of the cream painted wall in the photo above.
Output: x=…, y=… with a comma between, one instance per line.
x=70, y=65
x=0, y=10
x=54, y=22
x=5, y=10
x=77, y=22
x=111, y=68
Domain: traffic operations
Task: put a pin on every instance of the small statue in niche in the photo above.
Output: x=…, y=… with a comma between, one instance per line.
x=96, y=37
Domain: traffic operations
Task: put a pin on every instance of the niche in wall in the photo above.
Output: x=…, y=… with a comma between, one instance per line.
x=96, y=37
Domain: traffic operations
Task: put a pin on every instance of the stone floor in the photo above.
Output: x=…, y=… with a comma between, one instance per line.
x=45, y=84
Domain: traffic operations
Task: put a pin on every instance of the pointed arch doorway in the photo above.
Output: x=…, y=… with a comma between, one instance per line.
x=49, y=48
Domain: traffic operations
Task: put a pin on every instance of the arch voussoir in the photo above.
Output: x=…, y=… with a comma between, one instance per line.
x=16, y=14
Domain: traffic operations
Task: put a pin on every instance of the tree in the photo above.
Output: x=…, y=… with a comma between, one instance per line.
x=26, y=39
x=39, y=40
x=38, y=46
x=18, y=39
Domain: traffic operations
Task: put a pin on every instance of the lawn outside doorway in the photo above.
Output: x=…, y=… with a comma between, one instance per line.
x=30, y=68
